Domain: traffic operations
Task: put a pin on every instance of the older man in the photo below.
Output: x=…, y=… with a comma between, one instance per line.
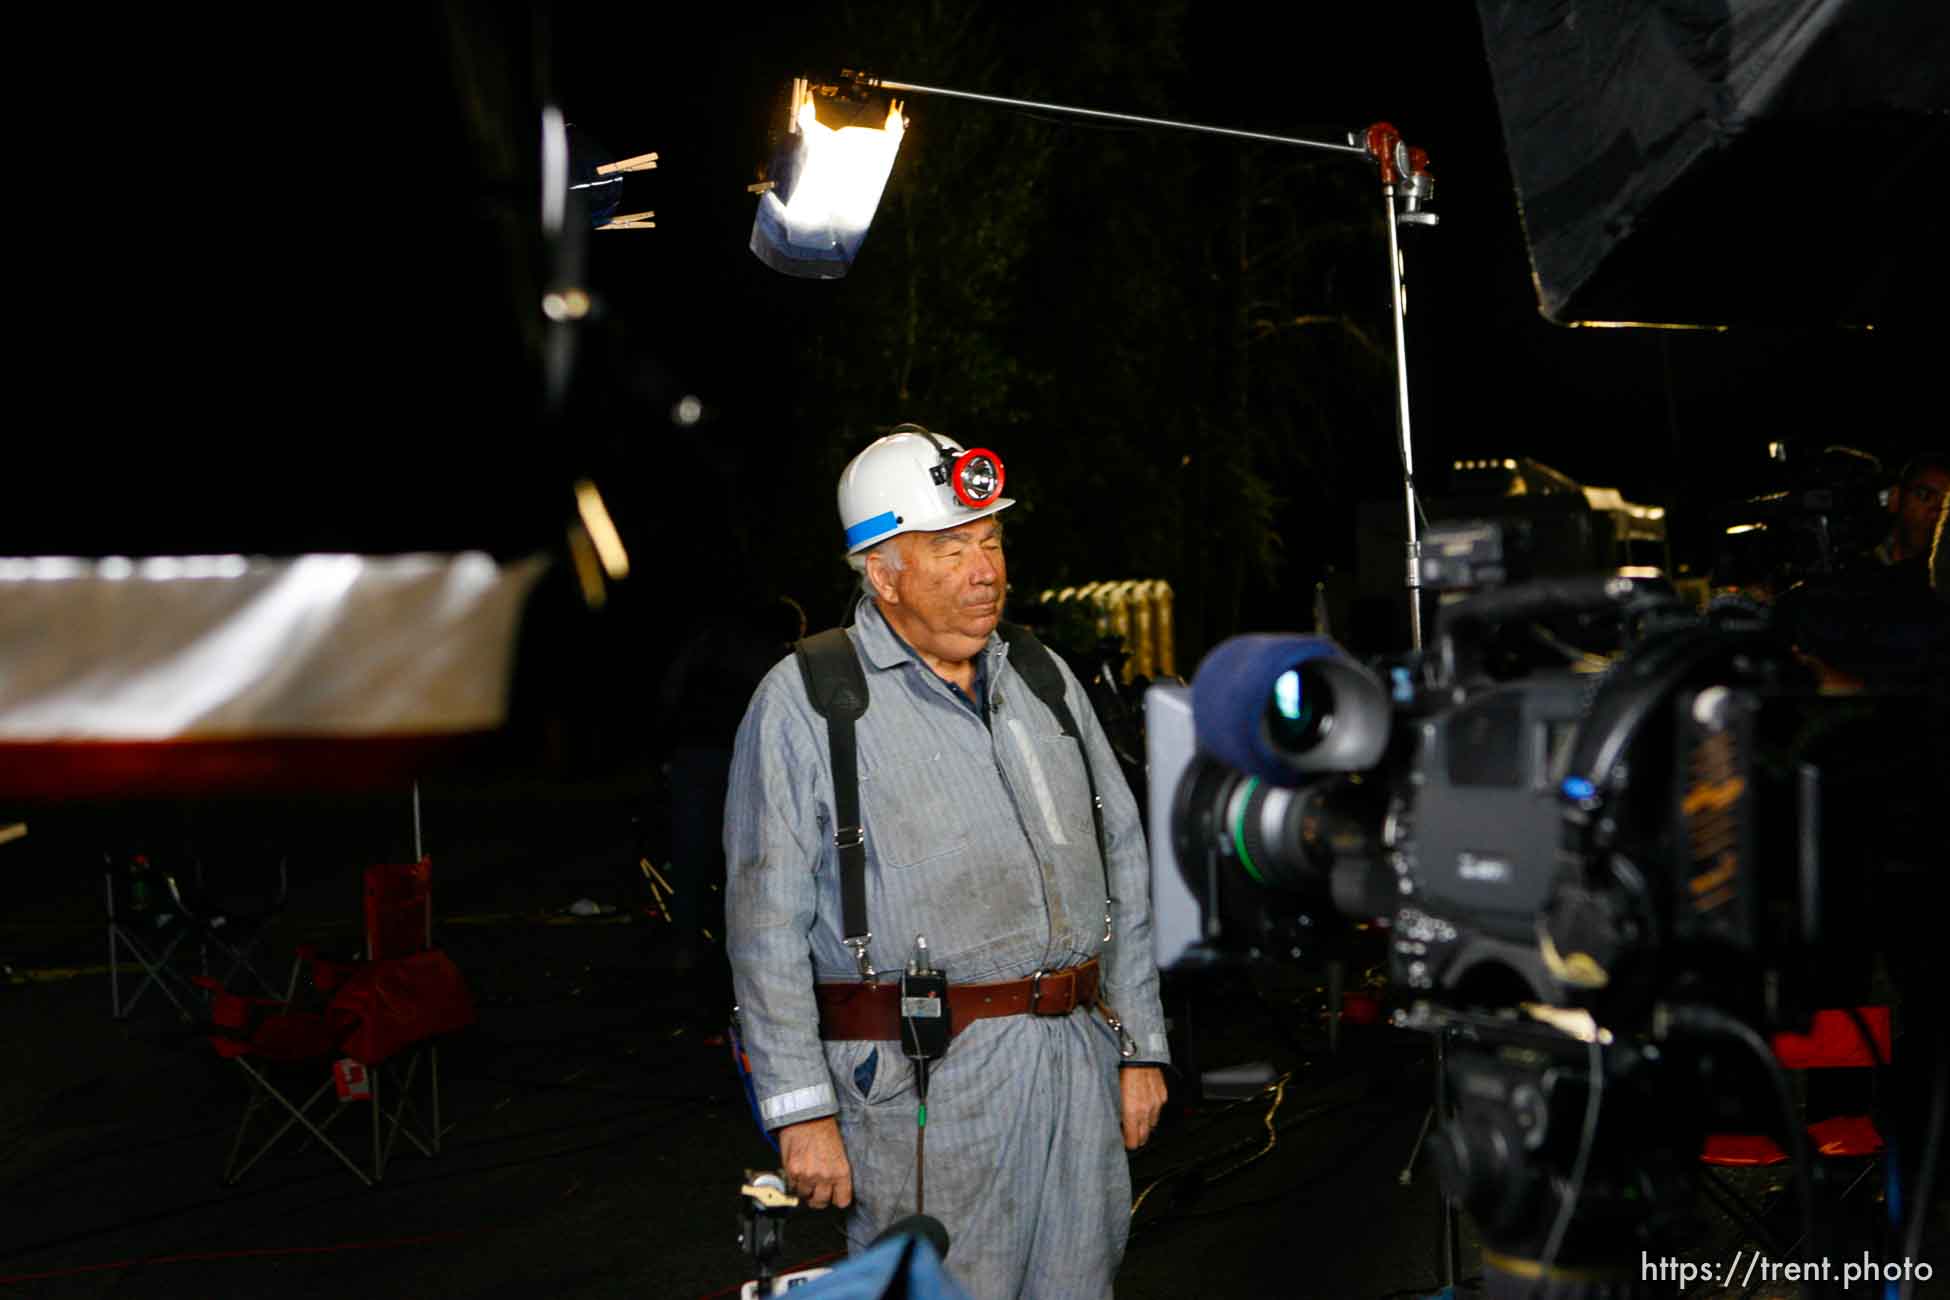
x=978, y=834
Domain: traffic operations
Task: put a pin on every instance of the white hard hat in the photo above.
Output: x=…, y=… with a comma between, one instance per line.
x=913, y=481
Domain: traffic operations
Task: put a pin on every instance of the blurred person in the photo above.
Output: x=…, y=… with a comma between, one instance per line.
x=701, y=699
x=978, y=834
x=1747, y=575
x=1874, y=623
x=1940, y=558
x=1916, y=878
x=1916, y=503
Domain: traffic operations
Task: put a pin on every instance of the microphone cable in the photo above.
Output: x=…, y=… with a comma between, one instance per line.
x=1278, y=1090
x=1712, y=1021
x=1920, y=1193
x=921, y=1136
x=1587, y=1139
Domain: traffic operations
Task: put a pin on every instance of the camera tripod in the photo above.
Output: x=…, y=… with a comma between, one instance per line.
x=1451, y=1217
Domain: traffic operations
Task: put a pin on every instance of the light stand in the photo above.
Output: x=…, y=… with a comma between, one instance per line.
x=1406, y=190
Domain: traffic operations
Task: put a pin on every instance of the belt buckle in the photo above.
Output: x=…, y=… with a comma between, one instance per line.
x=1036, y=991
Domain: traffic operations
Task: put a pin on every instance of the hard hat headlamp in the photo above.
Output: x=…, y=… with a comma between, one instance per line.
x=977, y=477
x=976, y=474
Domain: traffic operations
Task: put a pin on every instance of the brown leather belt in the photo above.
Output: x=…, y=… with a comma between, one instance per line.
x=873, y=1011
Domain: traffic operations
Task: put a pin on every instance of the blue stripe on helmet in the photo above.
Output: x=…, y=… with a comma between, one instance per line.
x=866, y=528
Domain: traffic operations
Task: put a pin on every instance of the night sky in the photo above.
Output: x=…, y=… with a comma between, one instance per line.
x=314, y=339
x=1648, y=412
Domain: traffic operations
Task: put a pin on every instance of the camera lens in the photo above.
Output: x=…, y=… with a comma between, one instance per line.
x=1301, y=710
x=1278, y=837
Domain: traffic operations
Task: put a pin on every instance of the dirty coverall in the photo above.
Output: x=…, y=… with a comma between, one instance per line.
x=979, y=836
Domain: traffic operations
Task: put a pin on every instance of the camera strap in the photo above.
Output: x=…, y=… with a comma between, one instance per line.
x=836, y=685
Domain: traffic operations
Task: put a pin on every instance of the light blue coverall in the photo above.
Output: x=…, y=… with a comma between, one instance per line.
x=978, y=836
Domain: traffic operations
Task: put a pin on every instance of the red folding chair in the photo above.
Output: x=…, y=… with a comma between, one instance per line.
x=399, y=934
x=1835, y=1040
x=399, y=909
x=275, y=1042
x=369, y=1025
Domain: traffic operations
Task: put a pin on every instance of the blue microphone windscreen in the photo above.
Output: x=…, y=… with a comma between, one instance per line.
x=1340, y=726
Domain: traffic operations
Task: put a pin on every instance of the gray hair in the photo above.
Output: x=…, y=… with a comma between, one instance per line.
x=890, y=554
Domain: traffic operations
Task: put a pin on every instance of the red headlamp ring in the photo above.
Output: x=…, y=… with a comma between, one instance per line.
x=958, y=472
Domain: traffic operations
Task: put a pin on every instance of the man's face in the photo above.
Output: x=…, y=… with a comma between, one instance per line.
x=1916, y=504
x=947, y=597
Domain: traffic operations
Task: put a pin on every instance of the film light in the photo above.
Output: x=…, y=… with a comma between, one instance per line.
x=825, y=181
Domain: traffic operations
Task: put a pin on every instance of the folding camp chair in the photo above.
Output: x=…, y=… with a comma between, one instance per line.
x=363, y=1038
x=145, y=932
x=234, y=935
x=287, y=1044
x=399, y=909
x=1837, y=1039
x=399, y=930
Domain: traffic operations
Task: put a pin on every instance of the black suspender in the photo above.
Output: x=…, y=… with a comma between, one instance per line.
x=837, y=687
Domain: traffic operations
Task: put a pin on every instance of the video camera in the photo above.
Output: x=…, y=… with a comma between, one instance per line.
x=1612, y=841
x=1821, y=513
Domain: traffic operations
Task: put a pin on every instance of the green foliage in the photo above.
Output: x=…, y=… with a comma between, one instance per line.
x=1178, y=345
x=922, y=330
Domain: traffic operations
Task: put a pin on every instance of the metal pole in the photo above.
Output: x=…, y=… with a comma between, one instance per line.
x=114, y=966
x=1336, y=988
x=418, y=853
x=1398, y=297
x=1451, y=1229
x=1128, y=119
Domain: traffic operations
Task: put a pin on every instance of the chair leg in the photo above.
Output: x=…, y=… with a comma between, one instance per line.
x=331, y=1118
x=1730, y=1203
x=251, y=1103
x=298, y=1116
x=1871, y=1167
x=239, y=955
x=403, y=1109
x=1829, y=1204
x=160, y=977
x=378, y=1151
x=438, y=1134
x=155, y=971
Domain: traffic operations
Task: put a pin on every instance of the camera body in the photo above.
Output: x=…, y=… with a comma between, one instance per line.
x=1584, y=815
x=1821, y=514
x=1583, y=794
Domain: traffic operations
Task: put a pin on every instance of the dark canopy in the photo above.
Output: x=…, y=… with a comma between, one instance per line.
x=1727, y=161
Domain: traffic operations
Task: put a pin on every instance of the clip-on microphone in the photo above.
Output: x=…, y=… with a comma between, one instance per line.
x=924, y=1038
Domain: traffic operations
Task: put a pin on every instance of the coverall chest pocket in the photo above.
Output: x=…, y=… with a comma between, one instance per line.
x=1054, y=766
x=913, y=813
